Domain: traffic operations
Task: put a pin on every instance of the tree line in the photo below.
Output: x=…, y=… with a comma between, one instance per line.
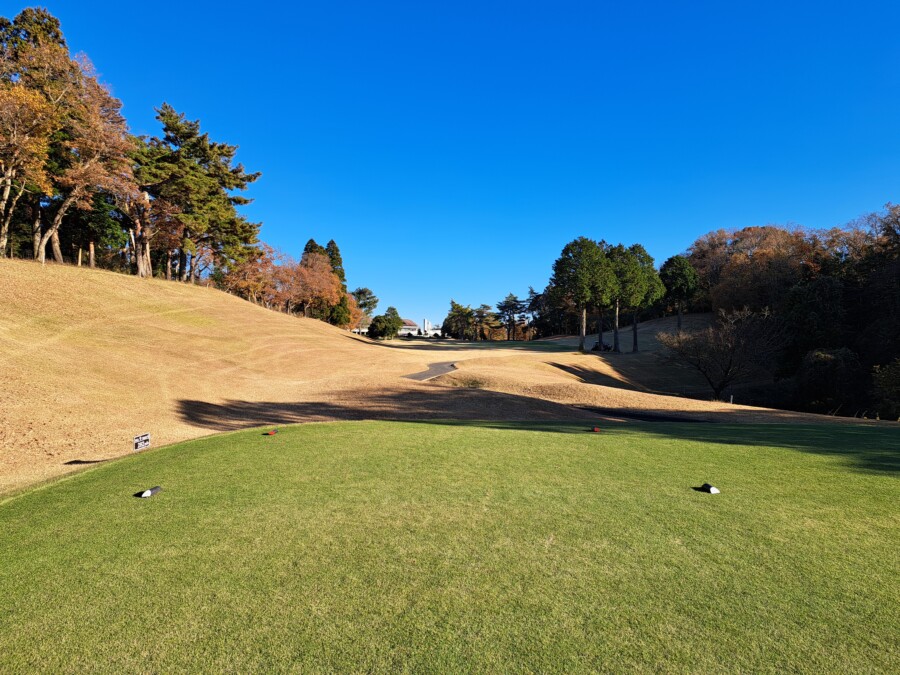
x=822, y=308
x=801, y=319
x=75, y=181
x=588, y=276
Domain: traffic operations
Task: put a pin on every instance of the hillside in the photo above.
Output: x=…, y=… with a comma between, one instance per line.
x=89, y=359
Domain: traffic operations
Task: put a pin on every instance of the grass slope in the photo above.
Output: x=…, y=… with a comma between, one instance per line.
x=89, y=359
x=462, y=546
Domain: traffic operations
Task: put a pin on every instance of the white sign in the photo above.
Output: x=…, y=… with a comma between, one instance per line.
x=141, y=442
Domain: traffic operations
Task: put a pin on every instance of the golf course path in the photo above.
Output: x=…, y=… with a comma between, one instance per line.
x=434, y=370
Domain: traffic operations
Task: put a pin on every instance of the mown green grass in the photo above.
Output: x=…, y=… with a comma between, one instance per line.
x=453, y=546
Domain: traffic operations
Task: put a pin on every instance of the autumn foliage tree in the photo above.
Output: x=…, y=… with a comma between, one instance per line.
x=78, y=128
x=27, y=122
x=95, y=156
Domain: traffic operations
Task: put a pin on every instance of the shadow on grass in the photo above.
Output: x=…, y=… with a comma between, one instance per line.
x=440, y=405
x=593, y=377
x=867, y=447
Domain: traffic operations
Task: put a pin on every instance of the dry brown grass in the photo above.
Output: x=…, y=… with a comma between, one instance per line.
x=89, y=359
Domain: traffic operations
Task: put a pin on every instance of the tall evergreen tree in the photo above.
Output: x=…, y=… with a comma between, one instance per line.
x=340, y=313
x=460, y=321
x=626, y=288
x=583, y=275
x=681, y=281
x=485, y=322
x=313, y=247
x=508, y=310
x=198, y=176
x=647, y=290
x=366, y=300
x=337, y=263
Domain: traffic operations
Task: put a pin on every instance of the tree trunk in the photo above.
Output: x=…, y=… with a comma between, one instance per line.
x=54, y=245
x=616, y=328
x=600, y=328
x=185, y=265
x=634, y=340
x=36, y=234
x=53, y=232
x=583, y=329
x=6, y=215
x=135, y=254
x=91, y=261
x=169, y=265
x=678, y=305
x=79, y=256
x=7, y=210
x=147, y=263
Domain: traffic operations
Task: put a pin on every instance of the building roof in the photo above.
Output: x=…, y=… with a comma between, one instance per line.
x=410, y=324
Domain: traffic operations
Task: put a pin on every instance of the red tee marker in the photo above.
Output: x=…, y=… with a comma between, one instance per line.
x=271, y=433
x=596, y=430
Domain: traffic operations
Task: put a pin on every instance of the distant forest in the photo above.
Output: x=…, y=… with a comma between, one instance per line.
x=802, y=319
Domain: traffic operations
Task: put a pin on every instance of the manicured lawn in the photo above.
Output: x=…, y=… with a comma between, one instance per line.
x=449, y=547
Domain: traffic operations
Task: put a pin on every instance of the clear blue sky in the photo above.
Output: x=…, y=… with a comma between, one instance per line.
x=453, y=148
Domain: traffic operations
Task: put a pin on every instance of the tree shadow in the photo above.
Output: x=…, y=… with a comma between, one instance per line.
x=428, y=404
x=593, y=377
x=872, y=447
x=868, y=447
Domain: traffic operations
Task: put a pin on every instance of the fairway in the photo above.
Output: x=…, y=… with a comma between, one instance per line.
x=465, y=546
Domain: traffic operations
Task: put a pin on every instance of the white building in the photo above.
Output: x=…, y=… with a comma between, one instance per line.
x=409, y=327
x=427, y=329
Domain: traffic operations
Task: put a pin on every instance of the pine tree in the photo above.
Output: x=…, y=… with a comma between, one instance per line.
x=681, y=281
x=366, y=300
x=337, y=263
x=583, y=276
x=313, y=247
x=198, y=177
x=509, y=309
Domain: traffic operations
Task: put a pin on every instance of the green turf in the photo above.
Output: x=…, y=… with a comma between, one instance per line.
x=460, y=547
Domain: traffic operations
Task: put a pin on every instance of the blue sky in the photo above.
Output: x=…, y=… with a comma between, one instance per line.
x=453, y=148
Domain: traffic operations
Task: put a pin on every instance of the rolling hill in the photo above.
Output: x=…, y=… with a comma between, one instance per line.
x=89, y=359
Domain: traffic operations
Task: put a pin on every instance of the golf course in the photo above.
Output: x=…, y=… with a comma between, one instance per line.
x=449, y=338
x=471, y=522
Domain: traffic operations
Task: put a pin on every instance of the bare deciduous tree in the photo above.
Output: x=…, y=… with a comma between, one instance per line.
x=739, y=345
